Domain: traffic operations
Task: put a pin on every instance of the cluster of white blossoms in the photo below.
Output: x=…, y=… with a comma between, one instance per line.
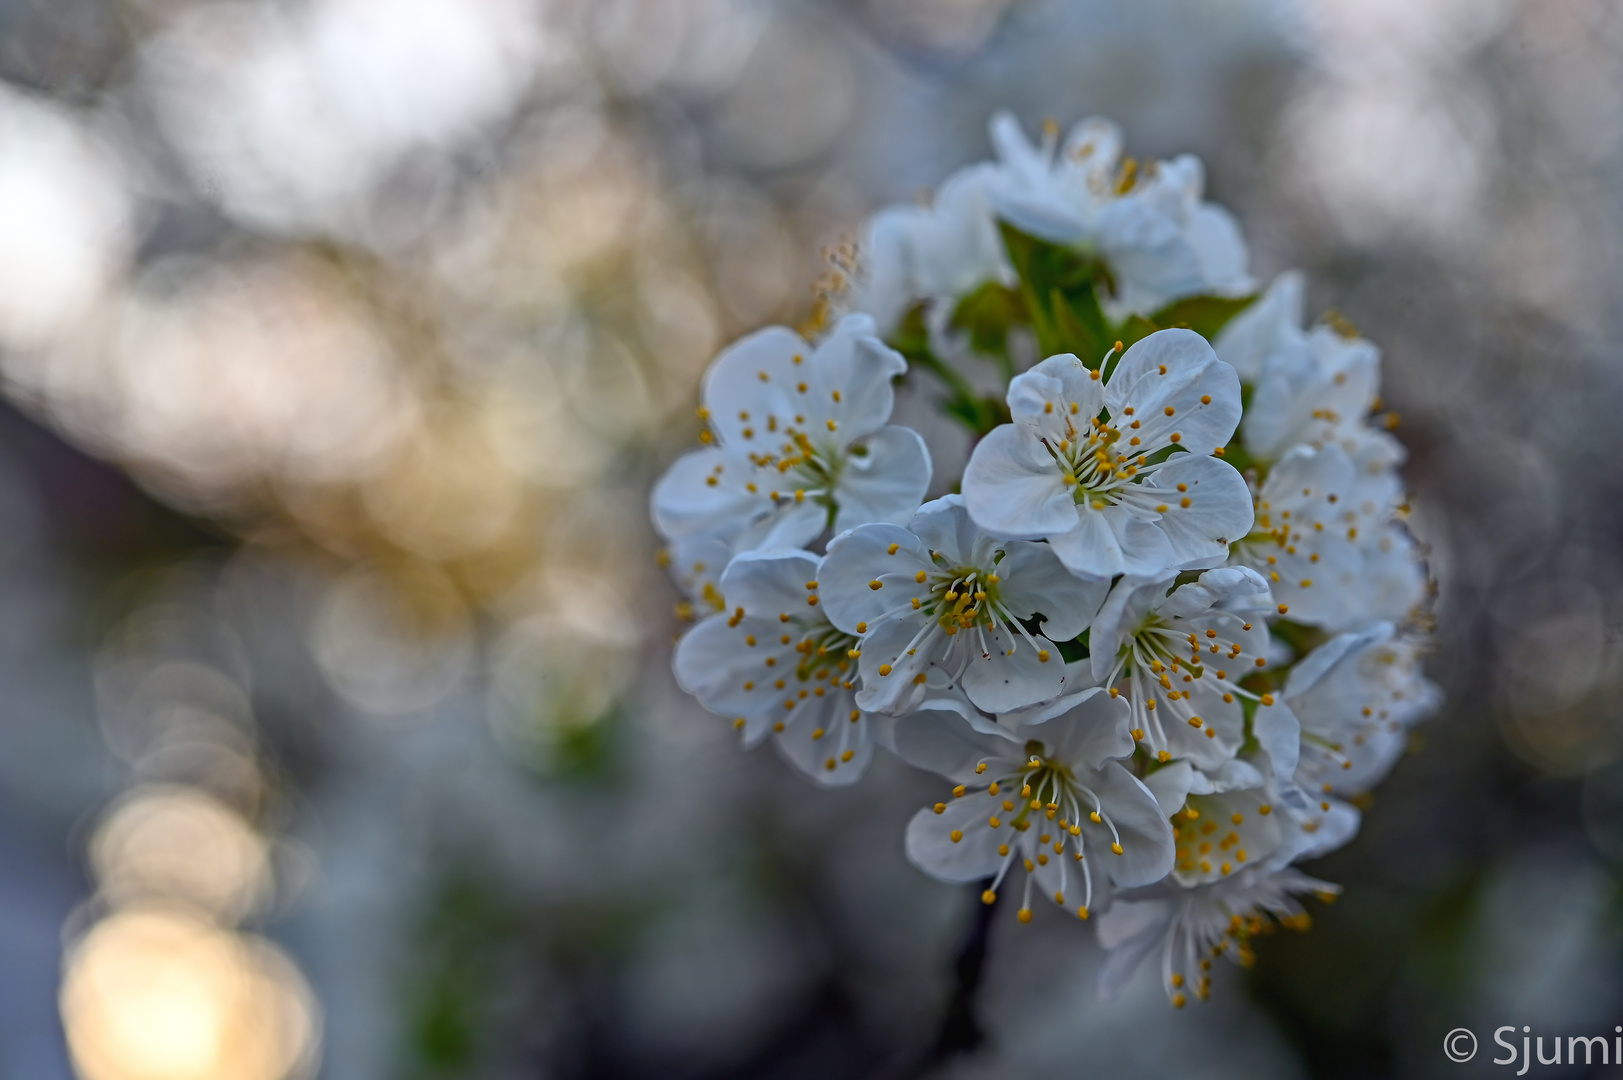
x=1165, y=633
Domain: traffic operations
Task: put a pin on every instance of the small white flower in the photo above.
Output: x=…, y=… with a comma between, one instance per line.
x=1043, y=788
x=1273, y=323
x=1085, y=464
x=1355, y=698
x=775, y=665
x=1325, y=538
x=1306, y=536
x=1182, y=654
x=801, y=443
x=1318, y=389
x=1160, y=239
x=938, y=252
x=940, y=603
x=1192, y=927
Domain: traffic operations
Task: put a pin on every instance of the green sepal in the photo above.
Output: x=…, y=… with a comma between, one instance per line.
x=987, y=315
x=1205, y=315
x=978, y=412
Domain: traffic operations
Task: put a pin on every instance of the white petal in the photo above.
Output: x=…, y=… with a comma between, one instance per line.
x=739, y=398
x=898, y=690
x=1058, y=391
x=1170, y=785
x=683, y=504
x=1280, y=735
x=946, y=529
x=848, y=381
x=1222, y=723
x=1221, y=249
x=1085, y=728
x=1151, y=257
x=821, y=757
x=1146, y=837
x=856, y=560
x=766, y=584
x=1130, y=931
x=1113, y=541
x=1009, y=674
x=887, y=483
x=1227, y=588
x=1219, y=510
x=714, y=663
x=1014, y=489
x=1034, y=580
x=1273, y=322
x=974, y=856
x=1202, y=392
x=944, y=743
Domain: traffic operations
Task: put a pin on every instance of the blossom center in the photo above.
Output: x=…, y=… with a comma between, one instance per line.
x=814, y=468
x=1093, y=466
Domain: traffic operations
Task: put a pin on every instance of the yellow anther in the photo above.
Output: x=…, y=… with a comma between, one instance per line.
x=988, y=897
x=1024, y=915
x=892, y=549
x=957, y=835
x=876, y=584
x=1082, y=912
x=885, y=669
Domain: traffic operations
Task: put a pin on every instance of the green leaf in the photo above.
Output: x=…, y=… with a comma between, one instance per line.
x=1081, y=324
x=1205, y=315
x=987, y=314
x=1057, y=285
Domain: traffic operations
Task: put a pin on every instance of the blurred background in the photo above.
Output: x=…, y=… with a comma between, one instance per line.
x=340, y=341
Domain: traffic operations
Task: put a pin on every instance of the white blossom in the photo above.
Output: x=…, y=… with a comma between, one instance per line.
x=1178, y=654
x=776, y=666
x=1355, y=698
x=1118, y=474
x=1044, y=788
x=1150, y=224
x=939, y=252
x=940, y=603
x=801, y=443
